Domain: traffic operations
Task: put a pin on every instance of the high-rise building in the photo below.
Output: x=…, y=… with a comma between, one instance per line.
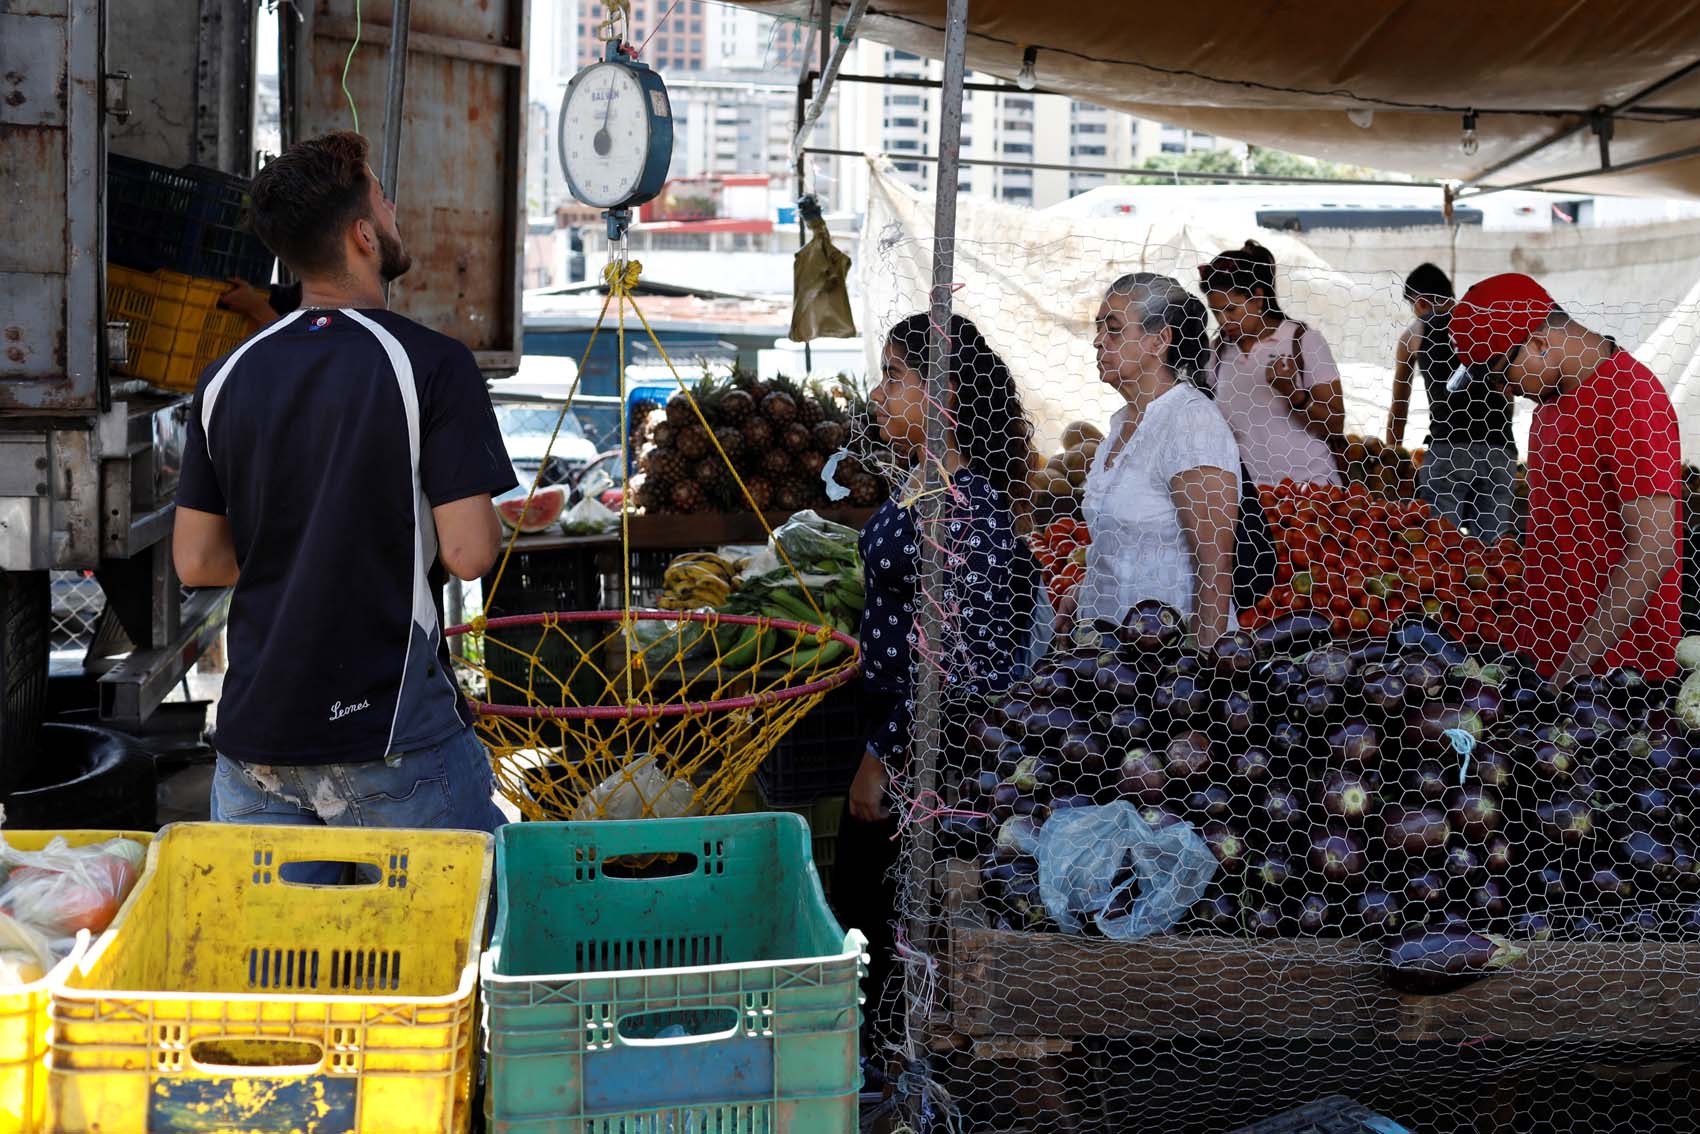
x=672, y=35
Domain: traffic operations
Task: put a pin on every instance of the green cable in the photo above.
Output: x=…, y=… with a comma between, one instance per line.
x=352, y=48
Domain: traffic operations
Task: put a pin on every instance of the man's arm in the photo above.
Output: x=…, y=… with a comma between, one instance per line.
x=469, y=536
x=1401, y=408
x=1651, y=552
x=202, y=549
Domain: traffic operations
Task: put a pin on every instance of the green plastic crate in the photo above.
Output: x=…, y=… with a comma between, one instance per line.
x=669, y=975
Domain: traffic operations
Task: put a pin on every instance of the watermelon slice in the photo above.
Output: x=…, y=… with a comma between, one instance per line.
x=543, y=513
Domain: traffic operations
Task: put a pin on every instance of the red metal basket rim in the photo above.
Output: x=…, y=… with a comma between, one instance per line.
x=837, y=677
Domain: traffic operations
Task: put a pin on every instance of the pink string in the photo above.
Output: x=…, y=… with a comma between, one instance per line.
x=919, y=810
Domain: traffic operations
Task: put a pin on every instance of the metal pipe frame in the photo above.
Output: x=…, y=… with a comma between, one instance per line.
x=395, y=94
x=1178, y=175
x=1594, y=120
x=1576, y=174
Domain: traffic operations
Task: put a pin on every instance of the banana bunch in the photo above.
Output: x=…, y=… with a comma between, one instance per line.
x=697, y=579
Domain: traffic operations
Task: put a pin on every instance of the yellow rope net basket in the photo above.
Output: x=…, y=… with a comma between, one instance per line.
x=641, y=713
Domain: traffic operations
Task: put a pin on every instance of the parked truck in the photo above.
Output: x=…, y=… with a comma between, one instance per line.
x=88, y=458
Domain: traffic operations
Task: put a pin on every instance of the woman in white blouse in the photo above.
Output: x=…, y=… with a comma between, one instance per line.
x=1162, y=496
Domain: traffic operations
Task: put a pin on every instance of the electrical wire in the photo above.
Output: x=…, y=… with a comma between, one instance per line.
x=665, y=16
x=353, y=110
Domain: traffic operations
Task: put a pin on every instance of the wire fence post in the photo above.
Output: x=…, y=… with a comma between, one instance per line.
x=929, y=716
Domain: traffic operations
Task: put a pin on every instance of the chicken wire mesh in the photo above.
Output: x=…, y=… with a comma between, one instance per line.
x=1273, y=759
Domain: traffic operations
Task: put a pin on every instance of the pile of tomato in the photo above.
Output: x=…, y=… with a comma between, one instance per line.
x=1366, y=560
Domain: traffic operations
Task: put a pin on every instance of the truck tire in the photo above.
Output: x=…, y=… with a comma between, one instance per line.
x=24, y=620
x=87, y=777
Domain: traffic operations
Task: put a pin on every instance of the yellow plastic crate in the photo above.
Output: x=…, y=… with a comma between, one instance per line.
x=227, y=997
x=176, y=324
x=23, y=1010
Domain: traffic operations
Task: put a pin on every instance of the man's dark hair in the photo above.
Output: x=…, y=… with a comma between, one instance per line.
x=305, y=199
x=1428, y=282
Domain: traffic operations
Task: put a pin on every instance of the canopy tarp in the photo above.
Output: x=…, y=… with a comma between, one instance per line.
x=1284, y=75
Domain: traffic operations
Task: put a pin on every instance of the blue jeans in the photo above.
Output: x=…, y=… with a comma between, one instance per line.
x=449, y=785
x=1473, y=485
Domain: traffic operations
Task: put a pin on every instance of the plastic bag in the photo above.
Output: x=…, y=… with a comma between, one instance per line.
x=624, y=794
x=60, y=889
x=588, y=517
x=819, y=271
x=26, y=954
x=811, y=541
x=1108, y=865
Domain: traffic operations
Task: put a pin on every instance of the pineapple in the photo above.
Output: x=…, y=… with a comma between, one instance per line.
x=693, y=442
x=830, y=436
x=797, y=437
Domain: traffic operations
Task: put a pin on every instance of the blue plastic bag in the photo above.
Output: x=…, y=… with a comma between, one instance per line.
x=1083, y=849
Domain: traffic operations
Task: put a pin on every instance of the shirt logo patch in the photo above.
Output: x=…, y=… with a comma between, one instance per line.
x=338, y=712
x=320, y=323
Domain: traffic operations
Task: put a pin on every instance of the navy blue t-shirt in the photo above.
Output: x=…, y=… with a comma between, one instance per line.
x=326, y=439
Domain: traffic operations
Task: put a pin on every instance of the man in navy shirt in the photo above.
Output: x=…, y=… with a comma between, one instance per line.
x=338, y=462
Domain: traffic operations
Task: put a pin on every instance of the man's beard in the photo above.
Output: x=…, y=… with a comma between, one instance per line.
x=393, y=260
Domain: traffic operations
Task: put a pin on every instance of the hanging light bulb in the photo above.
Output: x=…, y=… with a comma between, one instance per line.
x=1468, y=141
x=1028, y=78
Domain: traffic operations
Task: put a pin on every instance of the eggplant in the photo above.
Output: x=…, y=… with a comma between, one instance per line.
x=1233, y=655
x=1055, y=685
x=1354, y=744
x=1463, y=862
x=1085, y=752
x=1294, y=633
x=1428, y=782
x=1275, y=872
x=1425, y=680
x=964, y=836
x=1586, y=925
x=986, y=736
x=1212, y=803
x=1475, y=811
x=1315, y=915
x=1423, y=961
x=1015, y=713
x=1482, y=699
x=1283, y=810
x=1337, y=854
x=1227, y=844
x=1688, y=923
x=1316, y=699
x=1553, y=764
x=1643, y=923
x=1606, y=884
x=1252, y=767
x=1182, y=698
x=1158, y=818
x=1416, y=832
x=1500, y=853
x=1426, y=727
x=1275, y=679
x=997, y=874
x=1532, y=927
x=1268, y=918
x=1004, y=798
x=1119, y=683
x=1018, y=834
x=1384, y=694
x=1649, y=855
x=1237, y=712
x=1425, y=892
x=1491, y=899
x=1566, y=820
x=1064, y=802
x=1050, y=723
x=1654, y=805
x=1492, y=768
x=1417, y=637
x=1190, y=756
x=1143, y=778
x=1378, y=912
x=1217, y=914
x=1349, y=796
x=1331, y=664
x=1127, y=724
x=1288, y=740
x=1594, y=721
x=1550, y=886
x=1154, y=630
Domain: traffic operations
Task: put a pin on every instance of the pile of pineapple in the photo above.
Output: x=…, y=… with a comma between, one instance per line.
x=777, y=433
x=1057, y=486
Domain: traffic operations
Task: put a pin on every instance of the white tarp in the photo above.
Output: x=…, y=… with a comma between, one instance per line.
x=1032, y=282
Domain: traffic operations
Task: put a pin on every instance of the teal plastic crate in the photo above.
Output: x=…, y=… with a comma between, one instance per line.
x=669, y=975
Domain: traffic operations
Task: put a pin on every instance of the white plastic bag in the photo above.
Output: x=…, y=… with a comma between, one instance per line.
x=624, y=795
x=50, y=894
x=1090, y=858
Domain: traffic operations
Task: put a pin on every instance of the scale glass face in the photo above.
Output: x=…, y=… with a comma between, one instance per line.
x=608, y=135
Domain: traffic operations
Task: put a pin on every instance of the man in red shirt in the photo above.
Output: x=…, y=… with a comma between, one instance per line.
x=1601, y=577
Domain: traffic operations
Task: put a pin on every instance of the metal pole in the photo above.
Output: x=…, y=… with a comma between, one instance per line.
x=930, y=510
x=395, y=94
x=1578, y=174
x=1163, y=174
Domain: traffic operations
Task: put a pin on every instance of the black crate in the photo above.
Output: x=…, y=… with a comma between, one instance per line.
x=191, y=220
x=821, y=752
x=540, y=582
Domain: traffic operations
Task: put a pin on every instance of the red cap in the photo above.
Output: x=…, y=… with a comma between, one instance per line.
x=1497, y=316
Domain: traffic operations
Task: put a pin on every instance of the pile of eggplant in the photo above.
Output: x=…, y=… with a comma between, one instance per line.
x=1402, y=789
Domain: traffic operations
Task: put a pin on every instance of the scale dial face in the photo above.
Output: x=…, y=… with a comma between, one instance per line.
x=606, y=134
